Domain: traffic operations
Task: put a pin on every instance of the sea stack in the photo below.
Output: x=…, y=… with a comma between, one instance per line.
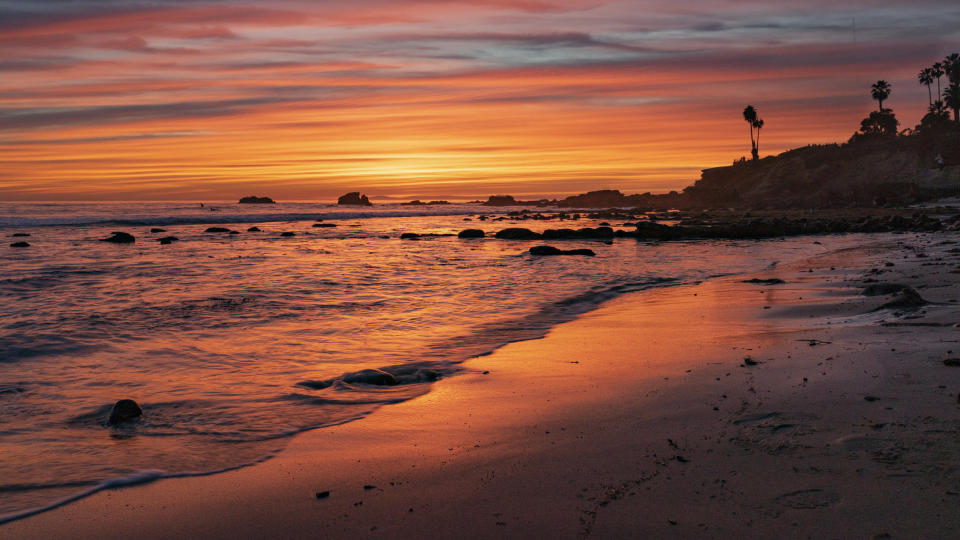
x=354, y=198
x=252, y=199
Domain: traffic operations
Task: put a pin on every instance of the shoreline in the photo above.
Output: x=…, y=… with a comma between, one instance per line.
x=535, y=446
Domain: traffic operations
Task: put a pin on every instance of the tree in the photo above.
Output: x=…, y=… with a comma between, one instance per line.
x=750, y=117
x=880, y=91
x=880, y=124
x=758, y=123
x=937, y=71
x=936, y=119
x=951, y=96
x=926, y=78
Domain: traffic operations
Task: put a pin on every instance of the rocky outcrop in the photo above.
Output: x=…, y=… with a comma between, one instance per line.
x=120, y=238
x=253, y=229
x=251, y=199
x=354, y=198
x=168, y=240
x=409, y=236
x=20, y=244
x=471, y=233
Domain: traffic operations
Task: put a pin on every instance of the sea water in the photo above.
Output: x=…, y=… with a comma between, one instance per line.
x=232, y=343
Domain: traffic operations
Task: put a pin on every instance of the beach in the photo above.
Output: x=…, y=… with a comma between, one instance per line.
x=713, y=409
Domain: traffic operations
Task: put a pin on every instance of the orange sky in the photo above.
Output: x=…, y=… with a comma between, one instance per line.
x=427, y=99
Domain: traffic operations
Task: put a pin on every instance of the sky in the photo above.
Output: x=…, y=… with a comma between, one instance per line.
x=306, y=100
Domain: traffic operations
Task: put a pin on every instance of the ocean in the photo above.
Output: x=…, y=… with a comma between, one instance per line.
x=233, y=343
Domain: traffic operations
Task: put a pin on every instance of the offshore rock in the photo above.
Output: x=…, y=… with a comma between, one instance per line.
x=20, y=244
x=354, y=198
x=217, y=229
x=470, y=233
x=256, y=200
x=550, y=250
x=124, y=410
x=120, y=238
x=517, y=233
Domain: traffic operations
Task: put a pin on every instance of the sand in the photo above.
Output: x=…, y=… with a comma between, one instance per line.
x=641, y=419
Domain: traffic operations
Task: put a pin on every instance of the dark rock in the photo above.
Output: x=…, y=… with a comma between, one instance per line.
x=517, y=233
x=881, y=289
x=120, y=238
x=758, y=281
x=550, y=250
x=470, y=233
x=157, y=230
x=323, y=494
x=253, y=229
x=376, y=377
x=234, y=232
x=500, y=200
x=20, y=234
x=907, y=300
x=124, y=411
x=20, y=244
x=256, y=200
x=354, y=198
x=324, y=225
x=952, y=362
x=288, y=233
x=217, y=229
x=167, y=240
x=409, y=236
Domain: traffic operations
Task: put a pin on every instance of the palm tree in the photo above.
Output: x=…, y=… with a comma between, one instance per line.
x=758, y=123
x=951, y=64
x=750, y=117
x=880, y=91
x=938, y=71
x=926, y=78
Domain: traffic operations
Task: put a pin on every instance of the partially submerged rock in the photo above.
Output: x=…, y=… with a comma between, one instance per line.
x=20, y=234
x=253, y=229
x=770, y=281
x=20, y=244
x=470, y=233
x=550, y=250
x=882, y=289
x=906, y=300
x=168, y=240
x=251, y=199
x=124, y=410
x=120, y=238
x=217, y=229
x=409, y=236
x=288, y=233
x=517, y=233
x=324, y=225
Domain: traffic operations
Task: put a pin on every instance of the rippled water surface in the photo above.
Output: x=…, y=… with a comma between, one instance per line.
x=234, y=342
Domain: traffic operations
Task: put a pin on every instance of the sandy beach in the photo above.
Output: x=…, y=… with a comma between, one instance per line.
x=718, y=410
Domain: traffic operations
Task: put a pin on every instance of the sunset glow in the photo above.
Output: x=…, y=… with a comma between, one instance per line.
x=405, y=99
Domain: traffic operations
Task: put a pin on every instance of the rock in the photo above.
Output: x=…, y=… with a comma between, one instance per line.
x=354, y=198
x=256, y=200
x=253, y=229
x=167, y=240
x=324, y=225
x=20, y=244
x=157, y=230
x=758, y=281
x=234, y=232
x=517, y=233
x=500, y=200
x=323, y=494
x=20, y=234
x=470, y=233
x=952, y=362
x=376, y=377
x=409, y=236
x=124, y=411
x=907, y=300
x=217, y=229
x=120, y=238
x=882, y=289
x=550, y=250
x=288, y=233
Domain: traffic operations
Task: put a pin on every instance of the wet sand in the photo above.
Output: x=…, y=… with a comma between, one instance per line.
x=643, y=418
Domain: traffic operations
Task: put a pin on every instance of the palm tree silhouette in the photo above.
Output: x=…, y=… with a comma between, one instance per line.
x=880, y=91
x=758, y=123
x=750, y=117
x=926, y=78
x=951, y=96
x=938, y=71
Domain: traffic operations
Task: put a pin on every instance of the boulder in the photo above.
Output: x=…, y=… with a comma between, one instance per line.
x=120, y=238
x=20, y=234
x=20, y=244
x=517, y=233
x=501, y=200
x=470, y=233
x=882, y=289
x=253, y=229
x=376, y=377
x=550, y=250
x=758, y=281
x=324, y=225
x=157, y=230
x=907, y=300
x=256, y=200
x=409, y=236
x=217, y=229
x=354, y=198
x=288, y=233
x=167, y=240
x=124, y=410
